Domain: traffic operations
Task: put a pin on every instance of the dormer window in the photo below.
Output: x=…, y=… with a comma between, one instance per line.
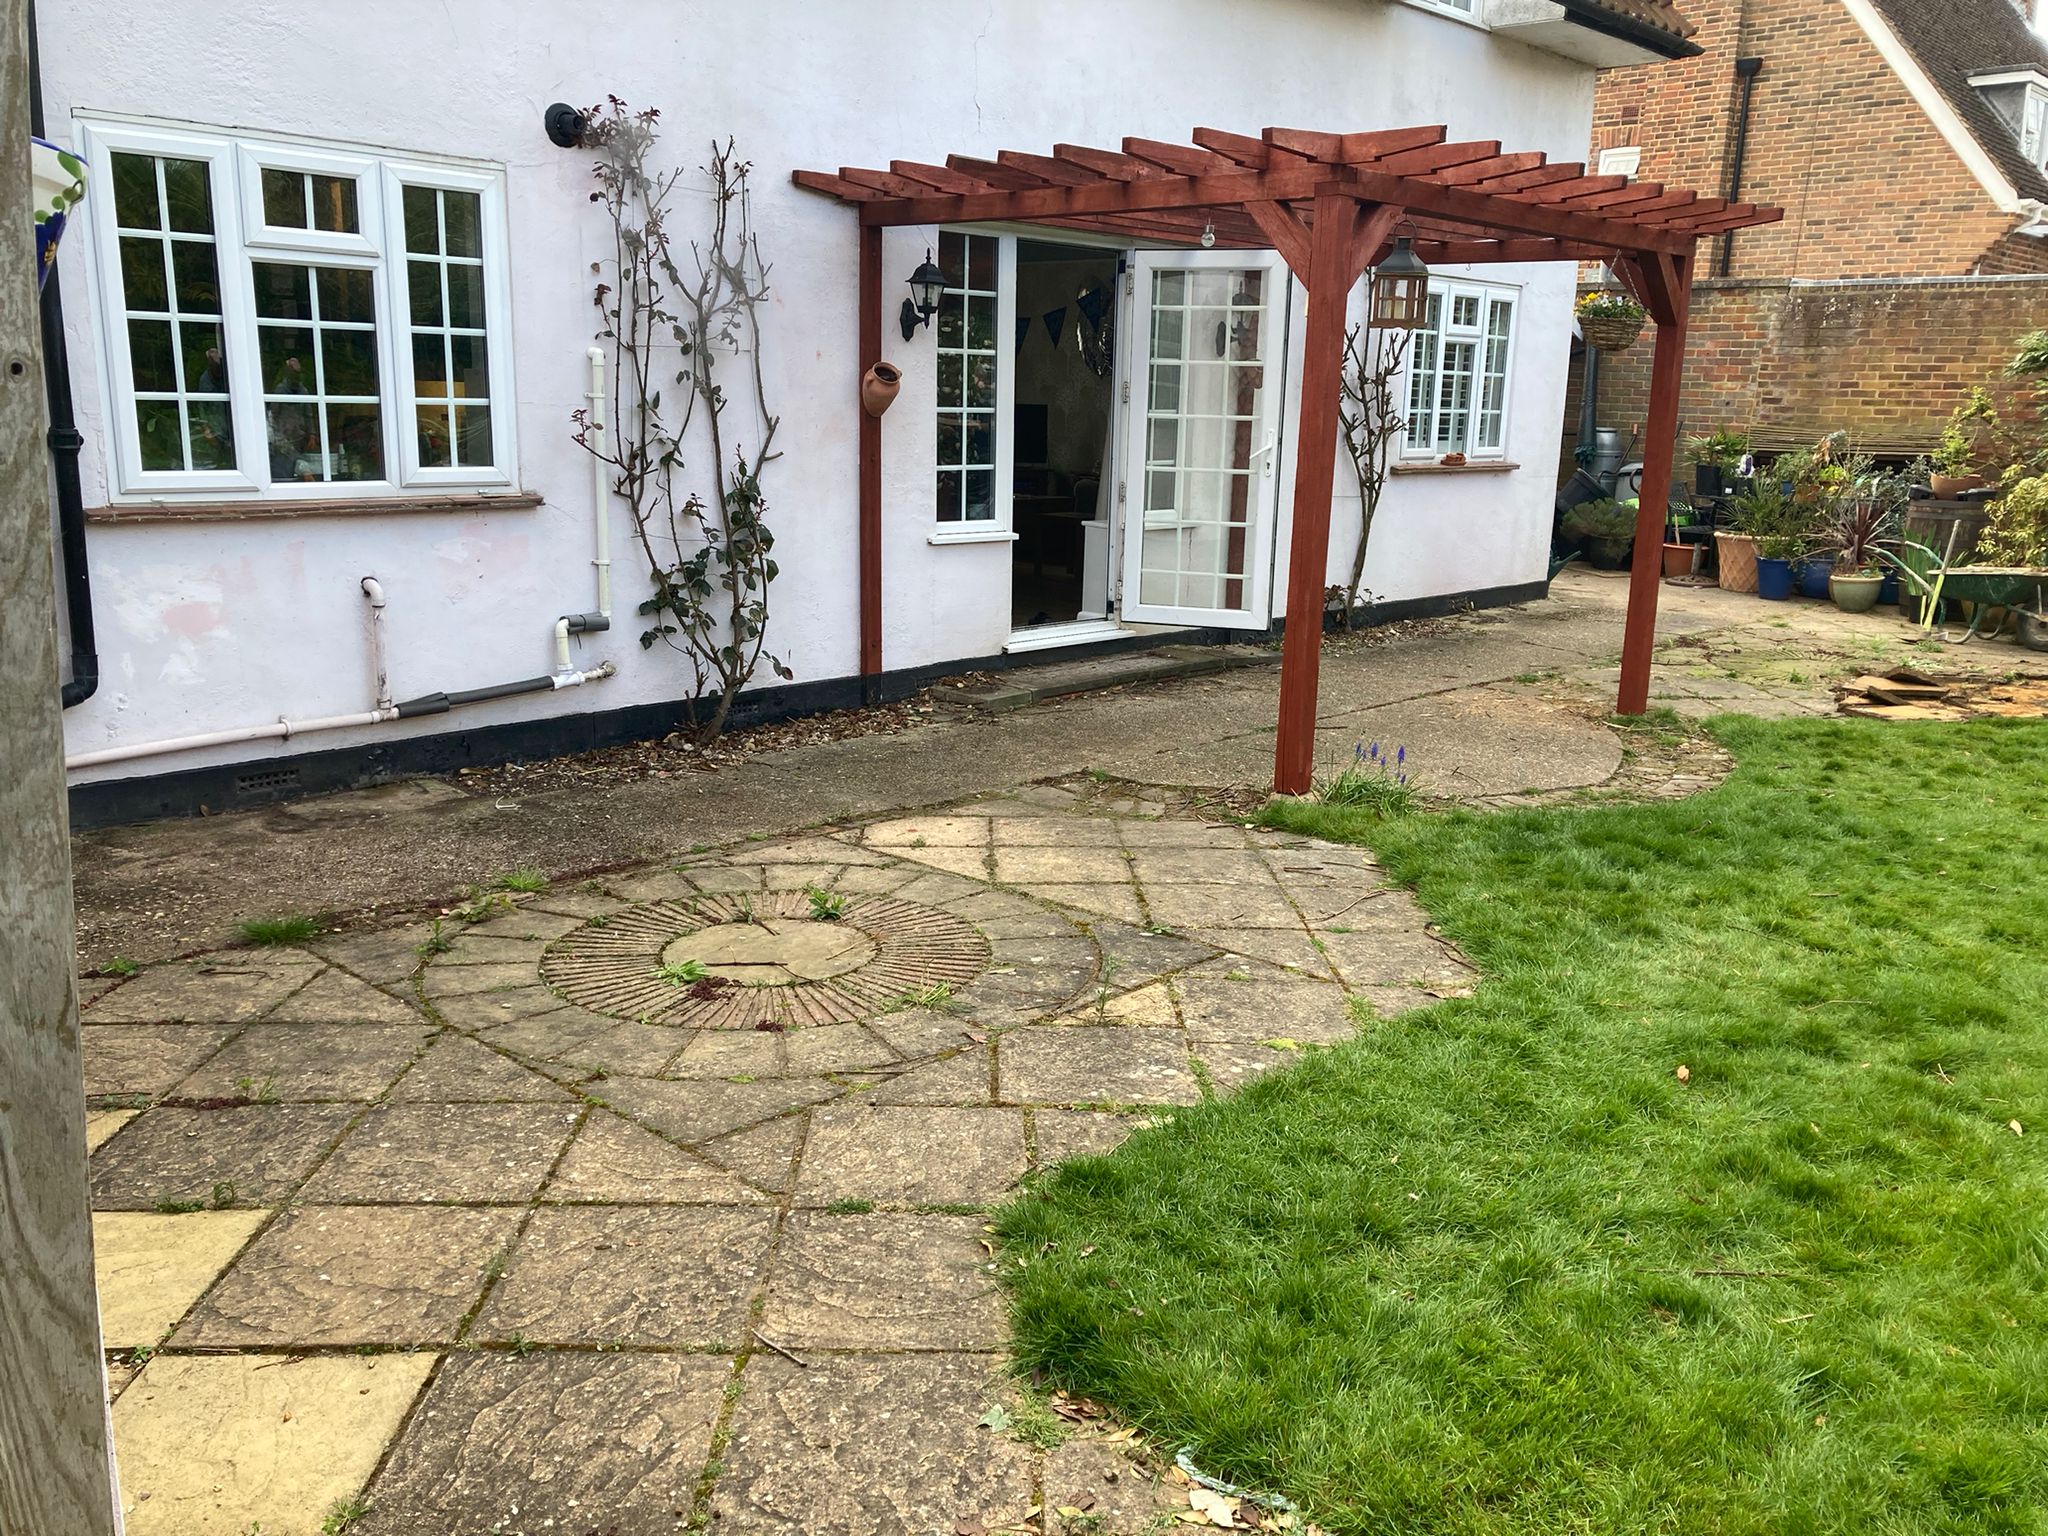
x=2020, y=98
x=2034, y=126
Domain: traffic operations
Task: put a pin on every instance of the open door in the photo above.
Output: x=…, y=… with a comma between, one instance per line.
x=1200, y=491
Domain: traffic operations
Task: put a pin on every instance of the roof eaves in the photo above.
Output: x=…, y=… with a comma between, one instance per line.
x=1631, y=22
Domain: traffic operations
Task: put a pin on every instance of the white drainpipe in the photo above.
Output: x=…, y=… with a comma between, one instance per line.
x=374, y=591
x=600, y=482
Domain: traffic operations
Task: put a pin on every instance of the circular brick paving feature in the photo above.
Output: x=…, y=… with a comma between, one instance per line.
x=766, y=960
x=774, y=951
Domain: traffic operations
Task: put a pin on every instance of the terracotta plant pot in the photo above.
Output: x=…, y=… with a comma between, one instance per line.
x=1677, y=560
x=1949, y=487
x=1854, y=594
x=878, y=387
x=1737, y=552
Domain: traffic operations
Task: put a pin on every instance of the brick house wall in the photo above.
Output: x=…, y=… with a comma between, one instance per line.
x=1894, y=283
x=1869, y=186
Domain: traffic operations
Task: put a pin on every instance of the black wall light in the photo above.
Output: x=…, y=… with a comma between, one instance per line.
x=565, y=125
x=926, y=284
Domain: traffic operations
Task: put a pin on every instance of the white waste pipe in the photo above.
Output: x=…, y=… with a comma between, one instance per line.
x=280, y=729
x=600, y=481
x=373, y=589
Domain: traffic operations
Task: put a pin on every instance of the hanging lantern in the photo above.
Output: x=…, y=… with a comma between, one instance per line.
x=1400, y=289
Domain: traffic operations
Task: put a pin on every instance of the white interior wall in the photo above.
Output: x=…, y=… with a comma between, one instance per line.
x=206, y=626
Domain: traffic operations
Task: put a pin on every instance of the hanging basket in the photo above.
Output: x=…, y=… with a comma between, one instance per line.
x=1610, y=333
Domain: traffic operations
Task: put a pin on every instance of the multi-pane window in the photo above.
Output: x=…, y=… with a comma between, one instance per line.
x=445, y=286
x=171, y=313
x=969, y=367
x=1459, y=364
x=2034, y=125
x=286, y=320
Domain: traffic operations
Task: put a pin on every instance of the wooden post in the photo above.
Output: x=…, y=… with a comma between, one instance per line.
x=870, y=350
x=1315, y=466
x=1668, y=282
x=56, y=1471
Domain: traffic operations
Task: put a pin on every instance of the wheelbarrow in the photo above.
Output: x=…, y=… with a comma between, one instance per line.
x=2022, y=590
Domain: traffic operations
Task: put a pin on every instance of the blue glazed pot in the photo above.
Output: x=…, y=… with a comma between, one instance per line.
x=1813, y=577
x=1773, y=579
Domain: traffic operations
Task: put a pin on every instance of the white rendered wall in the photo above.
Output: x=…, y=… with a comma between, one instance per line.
x=208, y=626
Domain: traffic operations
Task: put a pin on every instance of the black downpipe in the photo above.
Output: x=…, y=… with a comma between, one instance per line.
x=1746, y=70
x=65, y=442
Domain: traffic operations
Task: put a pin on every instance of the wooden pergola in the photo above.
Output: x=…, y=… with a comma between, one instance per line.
x=1332, y=205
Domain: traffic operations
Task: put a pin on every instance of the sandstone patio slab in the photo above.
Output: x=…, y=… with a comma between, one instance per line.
x=911, y=1156
x=1094, y=1065
x=227, y=1445
x=883, y=1281
x=151, y=1268
x=614, y=1161
x=413, y=1153
x=346, y=1275
x=1059, y=1134
x=459, y=1070
x=676, y=1276
x=1216, y=1008
x=227, y=988
x=170, y=1154
x=552, y=1442
x=309, y=1061
x=856, y=1446
x=144, y=1059
x=335, y=997
x=699, y=1111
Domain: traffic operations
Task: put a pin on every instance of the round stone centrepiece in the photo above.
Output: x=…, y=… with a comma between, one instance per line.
x=773, y=952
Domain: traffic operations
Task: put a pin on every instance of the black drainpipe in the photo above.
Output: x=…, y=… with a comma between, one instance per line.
x=1746, y=70
x=65, y=443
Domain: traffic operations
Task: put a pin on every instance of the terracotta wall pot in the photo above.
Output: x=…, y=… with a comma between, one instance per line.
x=1737, y=553
x=878, y=387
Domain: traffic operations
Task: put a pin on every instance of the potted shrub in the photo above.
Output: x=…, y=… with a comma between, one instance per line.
x=1775, y=553
x=1715, y=459
x=1952, y=467
x=1761, y=511
x=1609, y=319
x=1863, y=521
x=1606, y=530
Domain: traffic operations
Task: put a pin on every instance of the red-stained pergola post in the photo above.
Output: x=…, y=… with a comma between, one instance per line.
x=1665, y=285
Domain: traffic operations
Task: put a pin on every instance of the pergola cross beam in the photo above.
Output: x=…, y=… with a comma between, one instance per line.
x=1330, y=204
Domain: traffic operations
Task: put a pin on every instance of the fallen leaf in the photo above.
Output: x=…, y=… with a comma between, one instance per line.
x=1219, y=1509
x=1684, y=1073
x=997, y=1418
x=1281, y=1044
x=2014, y=1127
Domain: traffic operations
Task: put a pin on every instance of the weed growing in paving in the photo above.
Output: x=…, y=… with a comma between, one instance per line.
x=435, y=943
x=120, y=965
x=849, y=1207
x=527, y=881
x=681, y=973
x=826, y=906
x=1498, y=1266
x=268, y=931
x=342, y=1515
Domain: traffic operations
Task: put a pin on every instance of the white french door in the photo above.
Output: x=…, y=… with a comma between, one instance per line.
x=1200, y=481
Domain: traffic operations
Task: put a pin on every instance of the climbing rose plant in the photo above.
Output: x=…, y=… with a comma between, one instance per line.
x=681, y=319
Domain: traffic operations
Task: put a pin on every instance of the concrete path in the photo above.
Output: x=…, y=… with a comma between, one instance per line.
x=663, y=1197
x=1491, y=704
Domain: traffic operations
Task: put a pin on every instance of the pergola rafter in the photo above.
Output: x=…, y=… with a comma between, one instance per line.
x=1332, y=205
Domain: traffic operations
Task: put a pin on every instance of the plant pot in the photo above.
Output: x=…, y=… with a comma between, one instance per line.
x=1812, y=575
x=878, y=387
x=1610, y=333
x=1707, y=480
x=1855, y=594
x=1737, y=555
x=1677, y=560
x=1773, y=579
x=1949, y=487
x=1610, y=554
x=1888, y=592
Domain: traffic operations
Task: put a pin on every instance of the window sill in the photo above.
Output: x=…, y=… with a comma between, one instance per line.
x=1450, y=14
x=1429, y=467
x=989, y=536
x=341, y=506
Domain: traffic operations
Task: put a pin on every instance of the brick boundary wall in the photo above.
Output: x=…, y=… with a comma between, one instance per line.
x=1884, y=360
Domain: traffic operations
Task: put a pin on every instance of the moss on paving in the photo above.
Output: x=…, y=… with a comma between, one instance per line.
x=1498, y=1266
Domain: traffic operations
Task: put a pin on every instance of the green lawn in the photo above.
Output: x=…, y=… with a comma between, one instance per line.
x=1494, y=1268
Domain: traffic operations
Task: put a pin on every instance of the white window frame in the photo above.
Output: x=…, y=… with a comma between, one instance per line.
x=1471, y=12
x=234, y=165
x=997, y=529
x=2034, y=125
x=1486, y=294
